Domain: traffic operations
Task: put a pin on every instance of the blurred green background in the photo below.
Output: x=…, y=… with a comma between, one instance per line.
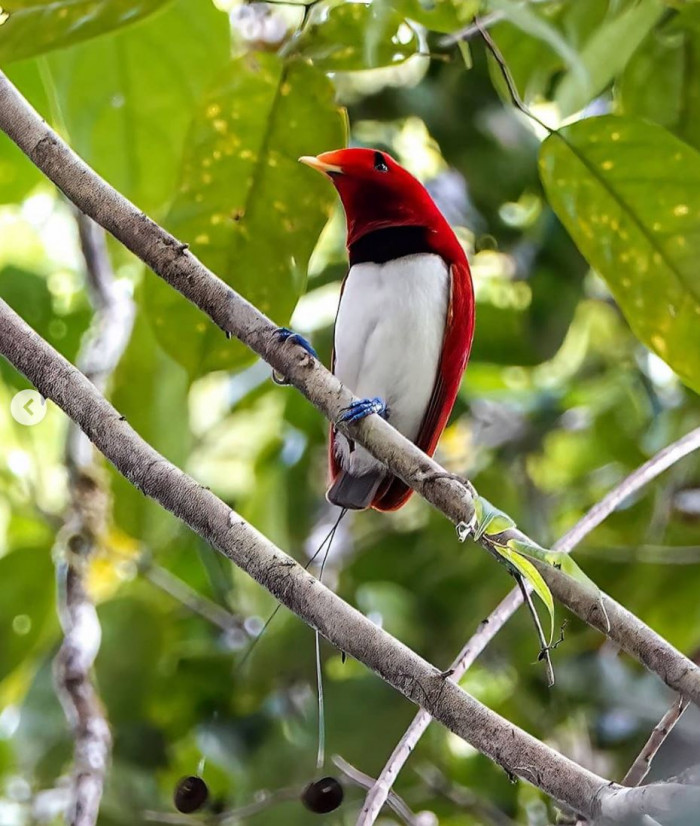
x=584, y=246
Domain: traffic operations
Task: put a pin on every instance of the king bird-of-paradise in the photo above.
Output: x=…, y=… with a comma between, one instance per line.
x=405, y=321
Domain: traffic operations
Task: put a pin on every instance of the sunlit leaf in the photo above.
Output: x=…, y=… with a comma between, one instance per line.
x=627, y=191
x=246, y=206
x=127, y=113
x=33, y=27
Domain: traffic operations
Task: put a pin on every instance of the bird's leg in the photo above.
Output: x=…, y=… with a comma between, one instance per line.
x=285, y=334
x=363, y=408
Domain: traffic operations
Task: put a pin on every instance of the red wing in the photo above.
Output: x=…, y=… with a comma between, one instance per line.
x=459, y=332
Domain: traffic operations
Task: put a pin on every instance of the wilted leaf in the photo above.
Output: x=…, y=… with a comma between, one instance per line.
x=627, y=191
x=357, y=36
x=33, y=27
x=246, y=206
x=127, y=113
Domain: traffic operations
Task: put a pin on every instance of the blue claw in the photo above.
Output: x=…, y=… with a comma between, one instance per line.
x=285, y=334
x=362, y=408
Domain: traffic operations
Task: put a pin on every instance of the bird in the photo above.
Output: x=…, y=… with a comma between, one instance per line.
x=405, y=320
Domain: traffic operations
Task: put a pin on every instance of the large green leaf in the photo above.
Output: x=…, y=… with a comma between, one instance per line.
x=247, y=208
x=629, y=194
x=33, y=27
x=125, y=102
x=606, y=53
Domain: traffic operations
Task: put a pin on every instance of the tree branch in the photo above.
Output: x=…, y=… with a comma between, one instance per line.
x=346, y=628
x=640, y=768
x=76, y=541
x=499, y=616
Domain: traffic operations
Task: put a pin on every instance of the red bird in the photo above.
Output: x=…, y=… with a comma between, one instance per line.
x=405, y=322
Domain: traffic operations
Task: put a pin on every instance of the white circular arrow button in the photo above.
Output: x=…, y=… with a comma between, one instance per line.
x=28, y=407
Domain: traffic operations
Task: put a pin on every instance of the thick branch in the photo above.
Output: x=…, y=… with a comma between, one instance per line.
x=346, y=628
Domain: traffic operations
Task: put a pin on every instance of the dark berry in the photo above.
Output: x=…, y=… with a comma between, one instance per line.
x=191, y=794
x=323, y=796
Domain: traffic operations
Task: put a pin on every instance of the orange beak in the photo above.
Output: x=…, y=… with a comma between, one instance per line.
x=319, y=164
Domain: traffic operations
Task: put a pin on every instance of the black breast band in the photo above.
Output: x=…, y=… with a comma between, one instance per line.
x=384, y=245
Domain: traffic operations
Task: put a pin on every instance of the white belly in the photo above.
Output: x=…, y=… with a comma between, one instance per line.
x=388, y=340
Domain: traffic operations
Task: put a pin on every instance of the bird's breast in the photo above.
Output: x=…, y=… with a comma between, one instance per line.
x=389, y=333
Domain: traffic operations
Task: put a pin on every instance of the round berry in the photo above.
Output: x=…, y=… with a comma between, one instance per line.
x=191, y=794
x=323, y=796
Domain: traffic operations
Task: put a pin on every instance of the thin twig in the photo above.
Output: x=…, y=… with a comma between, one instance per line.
x=544, y=645
x=463, y=797
x=396, y=804
x=192, y=599
x=640, y=768
x=76, y=541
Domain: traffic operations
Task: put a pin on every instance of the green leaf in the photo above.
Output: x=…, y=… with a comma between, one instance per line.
x=533, y=576
x=438, y=15
x=33, y=27
x=356, y=36
x=627, y=191
x=127, y=113
x=606, y=53
x=247, y=208
x=490, y=521
x=662, y=80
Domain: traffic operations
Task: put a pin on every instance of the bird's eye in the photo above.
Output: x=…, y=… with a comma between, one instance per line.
x=380, y=163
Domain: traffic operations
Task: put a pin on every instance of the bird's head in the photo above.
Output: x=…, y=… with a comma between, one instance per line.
x=376, y=191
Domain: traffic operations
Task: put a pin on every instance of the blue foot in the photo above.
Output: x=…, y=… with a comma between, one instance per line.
x=285, y=334
x=362, y=408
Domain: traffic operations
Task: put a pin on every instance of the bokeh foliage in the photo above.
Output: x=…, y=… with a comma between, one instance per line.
x=583, y=240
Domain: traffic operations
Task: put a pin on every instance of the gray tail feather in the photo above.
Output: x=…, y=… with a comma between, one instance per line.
x=354, y=492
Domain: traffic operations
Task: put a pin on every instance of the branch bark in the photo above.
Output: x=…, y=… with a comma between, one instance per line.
x=84, y=524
